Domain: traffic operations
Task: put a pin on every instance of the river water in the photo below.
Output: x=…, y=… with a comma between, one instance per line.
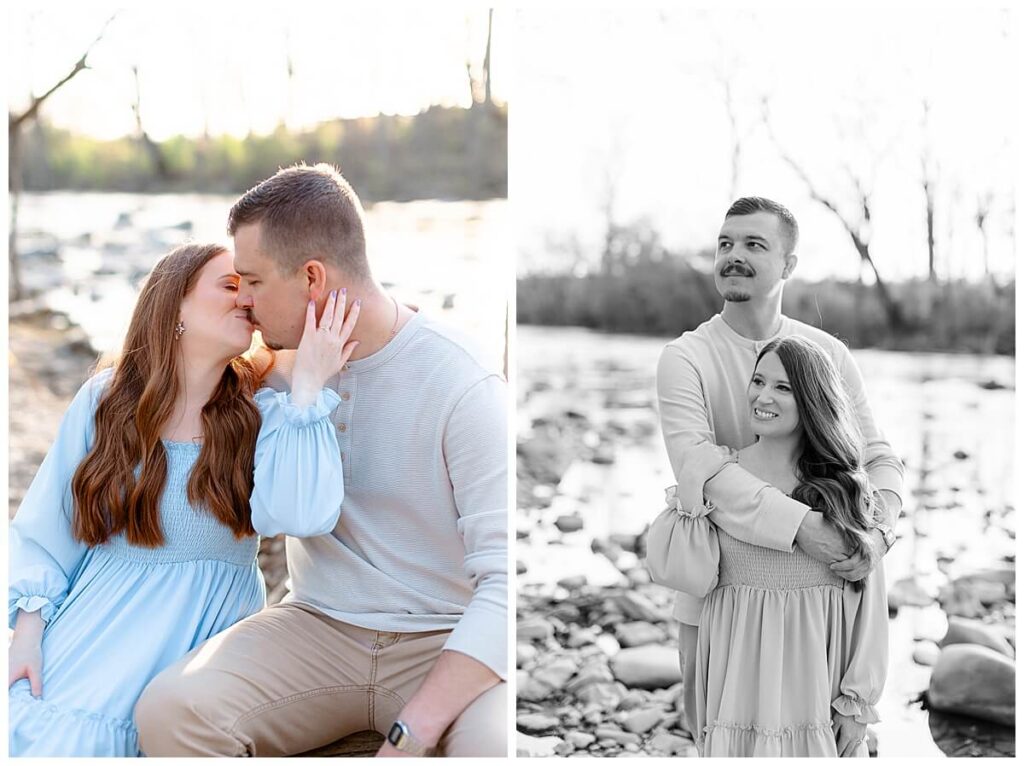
x=86, y=254
x=950, y=418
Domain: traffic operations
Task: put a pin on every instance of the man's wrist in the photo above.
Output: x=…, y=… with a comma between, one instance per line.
x=885, y=535
x=424, y=728
x=404, y=738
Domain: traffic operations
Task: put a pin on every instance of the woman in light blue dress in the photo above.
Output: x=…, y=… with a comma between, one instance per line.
x=137, y=539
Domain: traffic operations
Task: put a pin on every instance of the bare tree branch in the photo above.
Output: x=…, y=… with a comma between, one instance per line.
x=15, y=121
x=859, y=233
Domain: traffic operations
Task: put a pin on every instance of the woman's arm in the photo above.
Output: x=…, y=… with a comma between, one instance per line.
x=44, y=553
x=866, y=627
x=298, y=483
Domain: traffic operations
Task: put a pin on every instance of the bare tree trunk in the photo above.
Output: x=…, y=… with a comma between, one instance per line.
x=861, y=243
x=980, y=217
x=15, y=122
x=730, y=108
x=14, y=291
x=151, y=147
x=487, y=59
x=928, y=185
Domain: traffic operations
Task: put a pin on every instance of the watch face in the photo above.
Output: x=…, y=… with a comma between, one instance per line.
x=396, y=735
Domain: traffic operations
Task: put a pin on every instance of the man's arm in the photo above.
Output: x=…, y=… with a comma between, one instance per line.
x=475, y=656
x=453, y=682
x=746, y=507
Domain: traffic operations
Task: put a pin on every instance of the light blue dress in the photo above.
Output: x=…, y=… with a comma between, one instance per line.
x=118, y=614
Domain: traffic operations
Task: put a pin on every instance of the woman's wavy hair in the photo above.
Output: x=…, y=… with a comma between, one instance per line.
x=109, y=496
x=830, y=466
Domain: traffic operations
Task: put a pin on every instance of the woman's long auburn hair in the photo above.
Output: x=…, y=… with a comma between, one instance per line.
x=108, y=496
x=830, y=466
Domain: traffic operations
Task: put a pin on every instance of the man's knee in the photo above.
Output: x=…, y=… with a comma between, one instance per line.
x=169, y=713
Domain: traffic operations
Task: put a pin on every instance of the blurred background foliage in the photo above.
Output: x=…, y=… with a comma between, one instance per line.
x=441, y=153
x=641, y=287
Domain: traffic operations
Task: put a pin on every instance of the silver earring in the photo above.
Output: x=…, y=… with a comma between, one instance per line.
x=179, y=330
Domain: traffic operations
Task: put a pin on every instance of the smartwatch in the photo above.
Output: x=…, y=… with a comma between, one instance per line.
x=401, y=738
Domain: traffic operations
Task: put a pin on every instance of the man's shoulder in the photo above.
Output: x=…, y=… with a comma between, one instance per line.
x=464, y=354
x=692, y=343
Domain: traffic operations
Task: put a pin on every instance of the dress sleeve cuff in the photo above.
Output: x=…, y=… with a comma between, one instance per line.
x=40, y=604
x=861, y=710
x=326, y=402
x=687, y=608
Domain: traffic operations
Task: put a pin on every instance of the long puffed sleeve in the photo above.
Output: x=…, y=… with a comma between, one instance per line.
x=476, y=453
x=866, y=634
x=298, y=484
x=43, y=553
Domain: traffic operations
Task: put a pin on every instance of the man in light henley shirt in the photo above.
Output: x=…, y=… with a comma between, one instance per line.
x=702, y=395
x=396, y=619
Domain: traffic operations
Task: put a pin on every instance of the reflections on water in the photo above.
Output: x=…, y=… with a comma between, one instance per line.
x=586, y=412
x=87, y=253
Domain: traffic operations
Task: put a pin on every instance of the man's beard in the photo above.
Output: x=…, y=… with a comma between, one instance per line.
x=272, y=346
x=736, y=296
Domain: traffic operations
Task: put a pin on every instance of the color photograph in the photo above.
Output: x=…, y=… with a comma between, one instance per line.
x=260, y=276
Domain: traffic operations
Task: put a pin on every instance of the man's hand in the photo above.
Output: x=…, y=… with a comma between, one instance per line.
x=848, y=733
x=858, y=566
x=820, y=540
x=453, y=682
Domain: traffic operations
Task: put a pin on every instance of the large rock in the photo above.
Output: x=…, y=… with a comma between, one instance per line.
x=671, y=744
x=556, y=672
x=580, y=739
x=569, y=523
x=535, y=747
x=617, y=735
x=525, y=653
x=637, y=606
x=638, y=633
x=908, y=592
x=926, y=653
x=646, y=667
x=974, y=680
x=964, y=631
x=535, y=723
x=643, y=720
x=534, y=629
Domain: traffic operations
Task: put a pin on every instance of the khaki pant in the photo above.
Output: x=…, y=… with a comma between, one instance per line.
x=290, y=679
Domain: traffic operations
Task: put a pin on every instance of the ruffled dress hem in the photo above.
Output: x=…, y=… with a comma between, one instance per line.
x=67, y=731
x=729, y=739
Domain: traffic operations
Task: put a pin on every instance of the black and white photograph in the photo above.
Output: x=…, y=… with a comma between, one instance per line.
x=765, y=379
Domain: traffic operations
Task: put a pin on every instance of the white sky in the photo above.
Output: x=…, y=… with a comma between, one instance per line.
x=636, y=95
x=225, y=63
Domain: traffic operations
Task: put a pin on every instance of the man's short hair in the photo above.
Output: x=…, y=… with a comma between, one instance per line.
x=306, y=213
x=787, y=223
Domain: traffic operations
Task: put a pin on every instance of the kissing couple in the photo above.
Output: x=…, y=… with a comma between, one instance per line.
x=369, y=434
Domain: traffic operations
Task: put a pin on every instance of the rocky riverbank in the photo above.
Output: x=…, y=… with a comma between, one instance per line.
x=591, y=468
